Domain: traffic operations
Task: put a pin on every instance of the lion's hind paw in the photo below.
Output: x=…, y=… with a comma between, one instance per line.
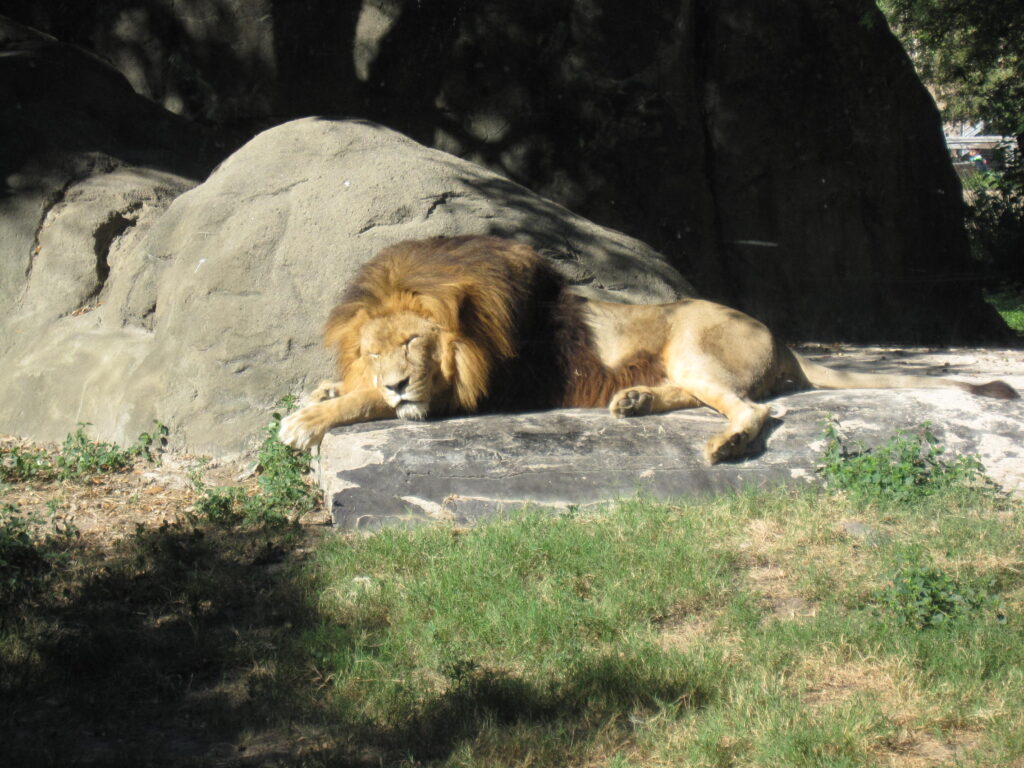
x=631, y=402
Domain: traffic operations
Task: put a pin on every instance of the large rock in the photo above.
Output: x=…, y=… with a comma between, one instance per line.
x=83, y=158
x=783, y=155
x=465, y=470
x=204, y=319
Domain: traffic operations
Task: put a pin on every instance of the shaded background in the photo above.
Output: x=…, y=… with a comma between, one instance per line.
x=784, y=157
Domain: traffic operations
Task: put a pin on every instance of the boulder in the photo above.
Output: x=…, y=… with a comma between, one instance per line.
x=212, y=312
x=465, y=470
x=83, y=158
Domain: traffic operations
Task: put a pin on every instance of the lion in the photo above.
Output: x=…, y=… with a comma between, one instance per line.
x=477, y=324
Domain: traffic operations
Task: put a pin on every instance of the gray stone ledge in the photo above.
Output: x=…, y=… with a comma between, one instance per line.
x=463, y=470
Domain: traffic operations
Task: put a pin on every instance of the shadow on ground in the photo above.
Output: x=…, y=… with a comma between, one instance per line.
x=187, y=645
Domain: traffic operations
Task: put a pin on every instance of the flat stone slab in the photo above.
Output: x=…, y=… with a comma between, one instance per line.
x=464, y=470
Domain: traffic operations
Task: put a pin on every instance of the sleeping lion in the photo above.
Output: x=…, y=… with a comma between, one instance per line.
x=474, y=324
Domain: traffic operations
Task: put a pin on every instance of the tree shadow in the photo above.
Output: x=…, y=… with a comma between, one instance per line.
x=188, y=646
x=160, y=653
x=599, y=693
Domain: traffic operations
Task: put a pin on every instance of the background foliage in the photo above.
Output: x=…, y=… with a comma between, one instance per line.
x=971, y=54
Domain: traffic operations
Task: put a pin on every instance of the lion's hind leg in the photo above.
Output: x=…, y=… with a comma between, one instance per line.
x=746, y=419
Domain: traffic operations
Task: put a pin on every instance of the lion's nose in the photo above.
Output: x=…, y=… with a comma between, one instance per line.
x=399, y=387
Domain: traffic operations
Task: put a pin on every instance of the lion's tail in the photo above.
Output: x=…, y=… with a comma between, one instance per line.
x=811, y=374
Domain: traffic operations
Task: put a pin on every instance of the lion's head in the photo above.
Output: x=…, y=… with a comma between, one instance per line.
x=405, y=354
x=425, y=323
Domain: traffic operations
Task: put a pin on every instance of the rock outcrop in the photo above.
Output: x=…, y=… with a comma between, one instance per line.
x=82, y=156
x=466, y=470
x=210, y=313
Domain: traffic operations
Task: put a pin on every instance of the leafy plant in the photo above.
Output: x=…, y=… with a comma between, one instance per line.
x=81, y=457
x=910, y=465
x=922, y=596
x=18, y=465
x=282, y=495
x=78, y=457
x=29, y=545
x=995, y=223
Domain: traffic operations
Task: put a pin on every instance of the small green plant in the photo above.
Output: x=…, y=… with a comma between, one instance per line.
x=910, y=465
x=18, y=465
x=922, y=596
x=283, y=469
x=81, y=457
x=147, y=440
x=78, y=457
x=19, y=558
x=29, y=546
x=282, y=496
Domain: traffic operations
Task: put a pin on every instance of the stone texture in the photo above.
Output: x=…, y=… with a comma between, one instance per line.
x=468, y=469
x=78, y=149
x=784, y=156
x=207, y=315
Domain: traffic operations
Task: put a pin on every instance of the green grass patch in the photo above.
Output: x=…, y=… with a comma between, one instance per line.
x=748, y=630
x=1009, y=303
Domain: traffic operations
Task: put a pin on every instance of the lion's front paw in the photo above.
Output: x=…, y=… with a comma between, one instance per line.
x=305, y=428
x=631, y=402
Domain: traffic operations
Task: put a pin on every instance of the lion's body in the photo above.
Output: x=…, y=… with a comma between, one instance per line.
x=463, y=325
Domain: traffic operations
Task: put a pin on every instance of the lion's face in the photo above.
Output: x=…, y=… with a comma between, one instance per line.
x=403, y=353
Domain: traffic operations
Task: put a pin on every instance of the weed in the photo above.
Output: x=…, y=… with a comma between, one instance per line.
x=909, y=466
x=81, y=457
x=283, y=495
x=922, y=596
x=78, y=457
x=283, y=469
x=18, y=465
x=29, y=546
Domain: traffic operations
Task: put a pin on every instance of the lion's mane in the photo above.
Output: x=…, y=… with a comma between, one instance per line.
x=514, y=336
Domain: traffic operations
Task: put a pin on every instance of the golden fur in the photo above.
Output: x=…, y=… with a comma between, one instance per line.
x=462, y=325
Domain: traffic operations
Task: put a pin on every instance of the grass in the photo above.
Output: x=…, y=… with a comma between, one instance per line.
x=1009, y=303
x=747, y=630
x=791, y=627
